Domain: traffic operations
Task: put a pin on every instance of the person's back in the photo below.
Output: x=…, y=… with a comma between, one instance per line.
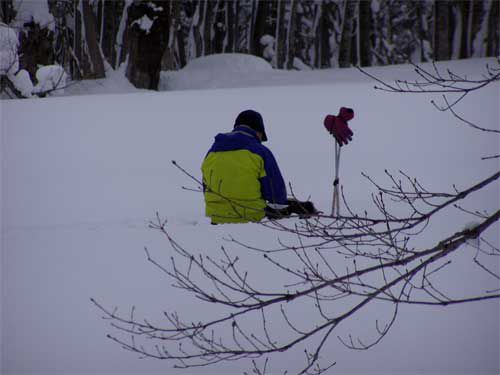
x=240, y=174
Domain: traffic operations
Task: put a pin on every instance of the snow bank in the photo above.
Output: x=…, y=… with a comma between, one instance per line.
x=214, y=71
x=229, y=63
x=82, y=176
x=114, y=83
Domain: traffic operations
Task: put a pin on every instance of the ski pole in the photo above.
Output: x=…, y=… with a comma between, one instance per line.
x=336, y=199
x=337, y=126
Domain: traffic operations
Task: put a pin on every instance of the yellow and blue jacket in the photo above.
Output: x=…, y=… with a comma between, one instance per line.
x=239, y=176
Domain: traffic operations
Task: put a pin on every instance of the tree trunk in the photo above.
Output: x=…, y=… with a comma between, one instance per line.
x=169, y=60
x=122, y=38
x=477, y=19
x=111, y=13
x=323, y=33
x=7, y=11
x=493, y=38
x=147, y=47
x=261, y=15
x=196, y=28
x=100, y=19
x=280, y=35
x=346, y=39
x=96, y=61
x=77, y=66
x=220, y=27
x=208, y=35
x=232, y=26
x=442, y=47
x=291, y=37
x=422, y=30
x=464, y=7
x=365, y=27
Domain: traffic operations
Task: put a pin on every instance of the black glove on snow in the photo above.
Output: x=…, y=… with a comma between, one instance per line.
x=276, y=214
x=302, y=209
x=305, y=208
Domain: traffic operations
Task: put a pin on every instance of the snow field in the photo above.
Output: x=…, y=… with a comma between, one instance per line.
x=82, y=175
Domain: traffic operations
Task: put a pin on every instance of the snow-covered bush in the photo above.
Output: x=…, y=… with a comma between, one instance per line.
x=267, y=41
x=9, y=59
x=22, y=82
x=51, y=78
x=36, y=12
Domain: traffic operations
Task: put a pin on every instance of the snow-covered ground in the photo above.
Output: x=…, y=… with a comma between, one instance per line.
x=82, y=175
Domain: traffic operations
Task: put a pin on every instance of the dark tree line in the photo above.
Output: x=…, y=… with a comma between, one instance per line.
x=154, y=35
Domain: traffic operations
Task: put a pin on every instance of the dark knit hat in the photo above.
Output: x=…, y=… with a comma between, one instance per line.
x=253, y=120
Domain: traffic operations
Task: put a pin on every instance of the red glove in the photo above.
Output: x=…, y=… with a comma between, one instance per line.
x=337, y=125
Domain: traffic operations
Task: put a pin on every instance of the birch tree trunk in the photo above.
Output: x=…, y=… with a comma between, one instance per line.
x=195, y=33
x=169, y=58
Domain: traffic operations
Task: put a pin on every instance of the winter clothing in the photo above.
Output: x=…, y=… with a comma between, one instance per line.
x=253, y=120
x=240, y=174
x=337, y=125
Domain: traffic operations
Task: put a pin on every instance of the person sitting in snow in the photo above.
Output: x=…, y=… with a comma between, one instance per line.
x=241, y=178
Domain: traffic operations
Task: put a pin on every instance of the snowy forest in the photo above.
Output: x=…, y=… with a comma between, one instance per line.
x=83, y=38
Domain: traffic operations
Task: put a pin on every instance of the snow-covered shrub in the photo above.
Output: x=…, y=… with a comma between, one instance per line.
x=35, y=12
x=51, y=81
x=22, y=82
x=267, y=41
x=9, y=59
x=50, y=78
